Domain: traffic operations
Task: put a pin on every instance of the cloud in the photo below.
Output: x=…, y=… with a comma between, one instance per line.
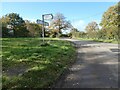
x=79, y=24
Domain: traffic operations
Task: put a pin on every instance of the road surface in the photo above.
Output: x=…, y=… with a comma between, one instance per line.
x=96, y=66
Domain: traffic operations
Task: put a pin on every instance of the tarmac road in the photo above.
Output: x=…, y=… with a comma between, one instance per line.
x=96, y=66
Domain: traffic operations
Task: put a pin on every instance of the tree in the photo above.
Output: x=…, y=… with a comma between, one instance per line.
x=92, y=29
x=101, y=34
x=111, y=21
x=4, y=29
x=17, y=23
x=35, y=30
x=110, y=17
x=82, y=34
x=60, y=23
x=75, y=33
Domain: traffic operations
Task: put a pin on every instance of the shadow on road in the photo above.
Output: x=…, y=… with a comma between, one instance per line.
x=115, y=50
x=96, y=67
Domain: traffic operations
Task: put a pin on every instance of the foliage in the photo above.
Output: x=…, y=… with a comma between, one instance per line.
x=110, y=17
x=4, y=29
x=74, y=33
x=110, y=22
x=83, y=34
x=34, y=29
x=92, y=29
x=59, y=23
x=17, y=23
x=101, y=34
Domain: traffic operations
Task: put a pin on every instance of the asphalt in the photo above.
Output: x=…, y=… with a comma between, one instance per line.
x=96, y=66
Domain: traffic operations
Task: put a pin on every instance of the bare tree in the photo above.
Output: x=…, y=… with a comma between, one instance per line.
x=60, y=23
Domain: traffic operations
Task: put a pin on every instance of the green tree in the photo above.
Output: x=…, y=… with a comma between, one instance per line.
x=17, y=23
x=110, y=22
x=83, y=34
x=101, y=34
x=35, y=30
x=4, y=29
x=74, y=33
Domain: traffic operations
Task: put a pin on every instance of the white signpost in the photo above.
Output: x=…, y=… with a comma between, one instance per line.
x=48, y=16
x=44, y=17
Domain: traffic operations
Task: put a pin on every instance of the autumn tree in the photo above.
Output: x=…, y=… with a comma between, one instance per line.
x=92, y=29
x=110, y=21
x=59, y=23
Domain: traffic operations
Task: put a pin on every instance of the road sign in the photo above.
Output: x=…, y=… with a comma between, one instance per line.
x=41, y=22
x=48, y=16
x=46, y=23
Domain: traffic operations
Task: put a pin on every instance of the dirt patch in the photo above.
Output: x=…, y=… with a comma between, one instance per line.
x=16, y=70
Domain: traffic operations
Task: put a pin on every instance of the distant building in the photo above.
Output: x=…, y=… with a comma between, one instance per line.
x=10, y=30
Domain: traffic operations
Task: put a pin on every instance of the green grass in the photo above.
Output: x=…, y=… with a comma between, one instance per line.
x=42, y=64
x=100, y=40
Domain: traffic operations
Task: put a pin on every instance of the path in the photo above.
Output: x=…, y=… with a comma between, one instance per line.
x=96, y=66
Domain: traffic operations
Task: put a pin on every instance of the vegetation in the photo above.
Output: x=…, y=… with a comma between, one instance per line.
x=99, y=40
x=92, y=29
x=110, y=22
x=23, y=28
x=58, y=24
x=28, y=64
x=74, y=33
x=110, y=27
x=35, y=30
x=16, y=23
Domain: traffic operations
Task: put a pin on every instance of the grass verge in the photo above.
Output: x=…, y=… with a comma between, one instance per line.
x=100, y=40
x=27, y=64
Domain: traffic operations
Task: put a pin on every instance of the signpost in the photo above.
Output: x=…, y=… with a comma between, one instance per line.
x=44, y=17
x=48, y=16
x=41, y=22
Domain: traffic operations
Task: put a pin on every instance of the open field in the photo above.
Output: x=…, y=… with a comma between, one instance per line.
x=26, y=63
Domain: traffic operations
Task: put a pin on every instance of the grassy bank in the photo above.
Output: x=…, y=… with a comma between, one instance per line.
x=100, y=40
x=28, y=64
